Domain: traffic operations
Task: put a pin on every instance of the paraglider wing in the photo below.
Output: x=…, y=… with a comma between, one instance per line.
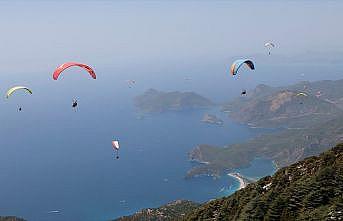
x=64, y=66
x=14, y=89
x=115, y=145
x=269, y=45
x=302, y=94
x=238, y=63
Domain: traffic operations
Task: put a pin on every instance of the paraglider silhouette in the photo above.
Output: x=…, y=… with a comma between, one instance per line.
x=67, y=65
x=236, y=65
x=269, y=45
x=74, y=105
x=16, y=88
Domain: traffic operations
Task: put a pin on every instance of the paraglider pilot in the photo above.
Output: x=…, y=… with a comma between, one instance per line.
x=74, y=105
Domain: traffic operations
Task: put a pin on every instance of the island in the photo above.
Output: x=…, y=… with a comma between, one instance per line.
x=211, y=119
x=154, y=101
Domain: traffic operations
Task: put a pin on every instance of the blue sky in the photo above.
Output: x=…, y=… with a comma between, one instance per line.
x=40, y=35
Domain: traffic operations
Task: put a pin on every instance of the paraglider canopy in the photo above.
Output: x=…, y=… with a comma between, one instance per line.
x=64, y=66
x=115, y=144
x=16, y=88
x=269, y=45
x=302, y=94
x=236, y=65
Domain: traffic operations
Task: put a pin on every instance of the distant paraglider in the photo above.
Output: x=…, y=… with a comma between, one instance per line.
x=236, y=65
x=74, y=105
x=131, y=83
x=16, y=88
x=116, y=146
x=67, y=65
x=301, y=95
x=269, y=46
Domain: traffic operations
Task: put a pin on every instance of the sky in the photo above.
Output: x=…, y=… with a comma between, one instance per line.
x=36, y=36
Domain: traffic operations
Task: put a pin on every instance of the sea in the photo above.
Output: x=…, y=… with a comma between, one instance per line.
x=57, y=164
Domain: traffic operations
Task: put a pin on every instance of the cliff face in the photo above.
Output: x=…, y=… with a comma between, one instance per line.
x=311, y=189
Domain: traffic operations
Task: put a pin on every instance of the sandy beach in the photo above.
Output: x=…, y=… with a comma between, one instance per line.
x=240, y=178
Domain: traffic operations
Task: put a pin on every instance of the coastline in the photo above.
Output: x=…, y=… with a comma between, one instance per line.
x=240, y=178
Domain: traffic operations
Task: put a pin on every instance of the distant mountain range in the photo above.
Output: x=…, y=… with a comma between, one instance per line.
x=154, y=101
x=282, y=107
x=310, y=125
x=311, y=189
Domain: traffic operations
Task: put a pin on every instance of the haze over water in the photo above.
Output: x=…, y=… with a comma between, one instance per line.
x=52, y=158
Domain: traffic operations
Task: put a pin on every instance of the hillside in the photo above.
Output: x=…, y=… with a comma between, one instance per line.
x=154, y=101
x=281, y=107
x=172, y=211
x=311, y=189
x=284, y=148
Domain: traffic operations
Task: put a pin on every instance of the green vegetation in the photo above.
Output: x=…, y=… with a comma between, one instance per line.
x=311, y=189
x=153, y=101
x=172, y=211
